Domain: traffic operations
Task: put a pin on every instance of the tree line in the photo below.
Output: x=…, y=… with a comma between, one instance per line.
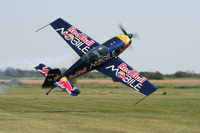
x=19, y=73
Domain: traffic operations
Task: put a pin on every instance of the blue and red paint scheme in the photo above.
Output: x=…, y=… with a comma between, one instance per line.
x=95, y=56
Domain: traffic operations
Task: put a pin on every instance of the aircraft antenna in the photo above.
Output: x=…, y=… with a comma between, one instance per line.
x=42, y=28
x=140, y=100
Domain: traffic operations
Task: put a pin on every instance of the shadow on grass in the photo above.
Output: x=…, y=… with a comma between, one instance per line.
x=56, y=111
x=70, y=111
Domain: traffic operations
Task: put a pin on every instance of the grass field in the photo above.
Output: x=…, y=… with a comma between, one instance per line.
x=101, y=108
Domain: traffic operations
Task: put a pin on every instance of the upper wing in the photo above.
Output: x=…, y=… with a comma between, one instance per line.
x=122, y=72
x=80, y=42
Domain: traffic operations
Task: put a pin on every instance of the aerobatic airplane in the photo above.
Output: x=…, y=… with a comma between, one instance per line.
x=94, y=56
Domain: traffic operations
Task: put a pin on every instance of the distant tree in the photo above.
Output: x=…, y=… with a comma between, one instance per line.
x=93, y=75
x=198, y=76
x=152, y=75
x=10, y=72
x=19, y=73
x=187, y=74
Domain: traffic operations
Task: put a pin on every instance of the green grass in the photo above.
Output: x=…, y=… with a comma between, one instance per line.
x=177, y=86
x=99, y=108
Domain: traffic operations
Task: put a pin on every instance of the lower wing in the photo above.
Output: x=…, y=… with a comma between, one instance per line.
x=122, y=72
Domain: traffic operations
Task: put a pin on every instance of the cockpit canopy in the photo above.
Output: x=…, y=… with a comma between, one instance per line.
x=95, y=54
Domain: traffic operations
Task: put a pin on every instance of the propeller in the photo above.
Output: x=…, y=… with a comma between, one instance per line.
x=122, y=29
x=134, y=35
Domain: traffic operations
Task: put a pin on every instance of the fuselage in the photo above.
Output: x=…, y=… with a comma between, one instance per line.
x=108, y=50
x=99, y=55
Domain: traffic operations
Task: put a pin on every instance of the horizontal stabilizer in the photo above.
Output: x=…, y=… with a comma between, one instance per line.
x=43, y=69
x=67, y=86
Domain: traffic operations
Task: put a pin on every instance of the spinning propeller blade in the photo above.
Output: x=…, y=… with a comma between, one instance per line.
x=134, y=35
x=122, y=29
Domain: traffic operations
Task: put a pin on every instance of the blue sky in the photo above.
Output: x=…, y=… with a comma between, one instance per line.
x=168, y=29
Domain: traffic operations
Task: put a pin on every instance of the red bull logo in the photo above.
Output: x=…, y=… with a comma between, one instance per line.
x=65, y=85
x=121, y=74
x=81, y=36
x=68, y=36
x=44, y=70
x=77, y=42
x=132, y=73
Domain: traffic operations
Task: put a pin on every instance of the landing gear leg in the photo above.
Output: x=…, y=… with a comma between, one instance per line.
x=47, y=93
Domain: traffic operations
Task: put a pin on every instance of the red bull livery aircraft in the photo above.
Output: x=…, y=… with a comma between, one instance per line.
x=94, y=56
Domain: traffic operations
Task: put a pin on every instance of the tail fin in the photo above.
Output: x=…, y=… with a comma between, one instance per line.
x=54, y=78
x=52, y=75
